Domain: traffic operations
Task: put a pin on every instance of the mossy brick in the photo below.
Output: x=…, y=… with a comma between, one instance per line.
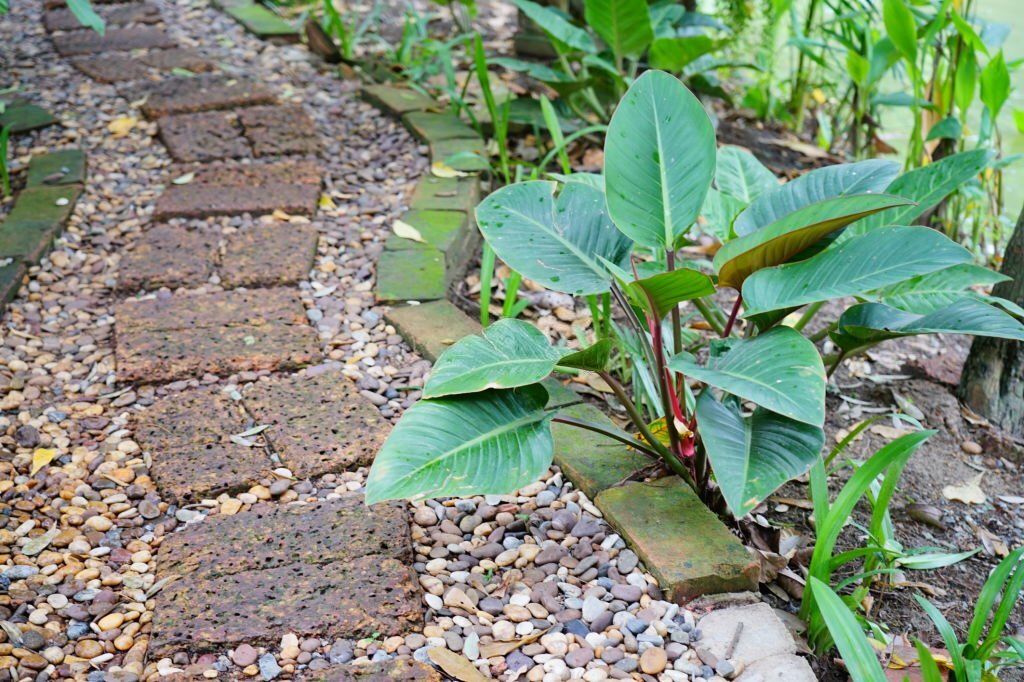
x=682, y=542
x=591, y=461
x=63, y=167
x=447, y=231
x=446, y=194
x=262, y=22
x=38, y=216
x=12, y=271
x=430, y=328
x=22, y=117
x=431, y=127
x=411, y=275
x=397, y=100
x=462, y=154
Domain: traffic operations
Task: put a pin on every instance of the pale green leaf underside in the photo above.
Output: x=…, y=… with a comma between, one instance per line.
x=555, y=242
x=740, y=175
x=856, y=266
x=487, y=443
x=928, y=293
x=507, y=354
x=863, y=177
x=779, y=370
x=752, y=456
x=659, y=160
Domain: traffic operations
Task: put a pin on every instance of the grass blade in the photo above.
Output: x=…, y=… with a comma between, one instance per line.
x=857, y=653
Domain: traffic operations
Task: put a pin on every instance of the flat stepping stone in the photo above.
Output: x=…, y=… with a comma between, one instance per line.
x=175, y=337
x=236, y=189
x=11, y=275
x=269, y=255
x=398, y=100
x=461, y=154
x=53, y=4
x=681, y=541
x=430, y=328
x=319, y=424
x=62, y=167
x=74, y=43
x=201, y=93
x=111, y=68
x=433, y=127
x=347, y=574
x=397, y=669
x=446, y=194
x=62, y=19
x=38, y=217
x=169, y=256
x=176, y=58
x=262, y=22
x=279, y=130
x=410, y=275
x=204, y=136
x=21, y=117
x=188, y=437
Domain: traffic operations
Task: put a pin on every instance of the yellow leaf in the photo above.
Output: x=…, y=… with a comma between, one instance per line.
x=184, y=179
x=278, y=214
x=41, y=457
x=818, y=95
x=442, y=170
x=326, y=202
x=455, y=665
x=968, y=493
x=407, y=231
x=122, y=125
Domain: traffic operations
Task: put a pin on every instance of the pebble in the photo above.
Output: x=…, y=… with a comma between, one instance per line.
x=653, y=660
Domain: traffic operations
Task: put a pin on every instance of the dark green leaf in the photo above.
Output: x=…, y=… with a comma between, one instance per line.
x=557, y=27
x=594, y=358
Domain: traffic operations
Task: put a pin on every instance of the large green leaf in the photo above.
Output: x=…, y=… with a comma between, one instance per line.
x=779, y=370
x=719, y=212
x=791, y=234
x=753, y=456
x=928, y=293
x=557, y=27
x=557, y=243
x=863, y=177
x=659, y=160
x=624, y=25
x=660, y=294
x=739, y=174
x=869, y=323
x=883, y=257
x=86, y=15
x=901, y=27
x=507, y=354
x=489, y=443
x=674, y=53
x=926, y=187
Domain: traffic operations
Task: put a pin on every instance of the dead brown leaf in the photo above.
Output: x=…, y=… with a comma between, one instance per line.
x=505, y=648
x=455, y=665
x=969, y=492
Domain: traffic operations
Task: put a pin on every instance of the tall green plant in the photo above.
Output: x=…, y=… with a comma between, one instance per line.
x=660, y=155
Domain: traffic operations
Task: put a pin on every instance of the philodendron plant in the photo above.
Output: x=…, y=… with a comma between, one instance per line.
x=742, y=414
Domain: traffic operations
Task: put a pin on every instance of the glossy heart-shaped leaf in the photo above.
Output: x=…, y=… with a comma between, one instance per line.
x=791, y=234
x=489, y=443
x=506, y=354
x=659, y=160
x=752, y=456
x=863, y=177
x=779, y=370
x=886, y=256
x=868, y=323
x=556, y=242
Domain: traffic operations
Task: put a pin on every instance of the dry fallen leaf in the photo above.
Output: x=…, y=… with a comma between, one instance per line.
x=457, y=666
x=41, y=457
x=1012, y=499
x=442, y=170
x=407, y=231
x=326, y=203
x=505, y=648
x=889, y=432
x=968, y=493
x=122, y=125
x=184, y=179
x=993, y=544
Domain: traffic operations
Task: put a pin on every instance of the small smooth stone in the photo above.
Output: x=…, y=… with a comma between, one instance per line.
x=653, y=661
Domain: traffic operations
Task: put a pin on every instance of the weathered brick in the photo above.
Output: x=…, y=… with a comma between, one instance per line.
x=298, y=171
x=201, y=93
x=281, y=129
x=251, y=577
x=462, y=154
x=268, y=255
x=12, y=272
x=152, y=356
x=411, y=275
x=448, y=231
x=176, y=58
x=682, y=543
x=432, y=127
x=37, y=218
x=203, y=416
x=169, y=256
x=62, y=167
x=113, y=67
x=406, y=670
x=74, y=43
x=446, y=194
x=62, y=19
x=21, y=117
x=203, y=136
x=262, y=22
x=398, y=100
x=280, y=305
x=430, y=328
x=319, y=423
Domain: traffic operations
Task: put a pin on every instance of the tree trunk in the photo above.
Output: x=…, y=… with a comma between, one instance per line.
x=992, y=383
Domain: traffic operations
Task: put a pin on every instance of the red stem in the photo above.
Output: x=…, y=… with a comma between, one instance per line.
x=732, y=316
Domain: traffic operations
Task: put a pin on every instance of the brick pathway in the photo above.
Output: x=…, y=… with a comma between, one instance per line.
x=249, y=577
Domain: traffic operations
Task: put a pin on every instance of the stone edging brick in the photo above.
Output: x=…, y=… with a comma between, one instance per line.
x=41, y=210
